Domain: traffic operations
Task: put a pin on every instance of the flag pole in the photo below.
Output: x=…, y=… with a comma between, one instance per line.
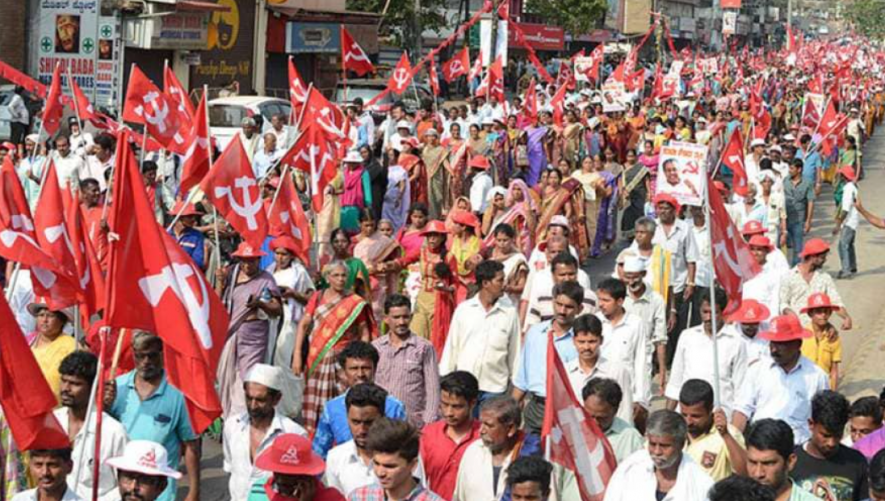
x=13, y=279
x=214, y=210
x=343, y=63
x=99, y=404
x=716, y=387
x=76, y=104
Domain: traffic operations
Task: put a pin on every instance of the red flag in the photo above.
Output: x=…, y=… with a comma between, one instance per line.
x=89, y=273
x=31, y=85
x=530, y=108
x=297, y=89
x=434, y=78
x=619, y=74
x=401, y=76
x=145, y=104
x=55, y=240
x=312, y=153
x=733, y=158
x=153, y=285
x=761, y=125
x=25, y=395
x=565, y=75
x=476, y=69
x=54, y=108
x=232, y=188
x=576, y=441
x=353, y=56
x=558, y=104
x=596, y=56
x=328, y=116
x=456, y=66
x=195, y=164
x=18, y=240
x=810, y=115
x=496, y=79
x=287, y=218
x=85, y=110
x=828, y=120
x=732, y=260
x=816, y=84
x=176, y=92
x=636, y=81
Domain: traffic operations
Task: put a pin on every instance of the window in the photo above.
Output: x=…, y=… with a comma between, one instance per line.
x=226, y=115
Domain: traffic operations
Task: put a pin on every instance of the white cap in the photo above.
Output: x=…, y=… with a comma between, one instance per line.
x=775, y=148
x=146, y=457
x=559, y=220
x=404, y=124
x=266, y=375
x=789, y=137
x=757, y=142
x=634, y=264
x=353, y=157
x=496, y=190
x=32, y=138
x=488, y=121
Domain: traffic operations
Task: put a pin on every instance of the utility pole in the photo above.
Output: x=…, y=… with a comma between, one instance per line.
x=789, y=14
x=419, y=37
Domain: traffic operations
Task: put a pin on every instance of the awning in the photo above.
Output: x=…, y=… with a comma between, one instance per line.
x=200, y=6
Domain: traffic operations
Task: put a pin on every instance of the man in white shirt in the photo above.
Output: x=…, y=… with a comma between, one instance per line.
x=402, y=135
x=704, y=265
x=662, y=471
x=480, y=185
x=279, y=130
x=68, y=166
x=694, y=355
x=364, y=120
x=249, y=434
x=98, y=164
x=765, y=287
x=846, y=224
x=143, y=471
x=536, y=304
x=745, y=323
x=625, y=343
x=19, y=116
x=81, y=142
x=648, y=305
x=484, y=336
x=349, y=465
x=249, y=136
x=77, y=372
x=390, y=124
x=51, y=467
x=782, y=387
x=751, y=161
x=266, y=157
x=775, y=260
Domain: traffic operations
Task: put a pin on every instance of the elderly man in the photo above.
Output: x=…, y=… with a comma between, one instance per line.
x=151, y=409
x=808, y=278
x=254, y=298
x=250, y=136
x=649, y=306
x=77, y=375
x=246, y=436
x=144, y=471
x=782, y=386
x=267, y=155
x=484, y=334
x=602, y=397
x=662, y=472
x=291, y=480
x=50, y=469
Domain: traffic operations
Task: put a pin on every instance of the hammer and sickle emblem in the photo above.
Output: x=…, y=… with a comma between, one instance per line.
x=175, y=277
x=249, y=207
x=161, y=111
x=400, y=76
x=355, y=53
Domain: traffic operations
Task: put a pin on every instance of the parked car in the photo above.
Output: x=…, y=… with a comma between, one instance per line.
x=226, y=114
x=370, y=88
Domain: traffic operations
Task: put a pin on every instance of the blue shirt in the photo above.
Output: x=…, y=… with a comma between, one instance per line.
x=333, y=429
x=812, y=164
x=532, y=373
x=193, y=242
x=160, y=418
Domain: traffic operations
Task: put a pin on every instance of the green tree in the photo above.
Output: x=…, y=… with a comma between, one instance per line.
x=399, y=16
x=574, y=16
x=867, y=16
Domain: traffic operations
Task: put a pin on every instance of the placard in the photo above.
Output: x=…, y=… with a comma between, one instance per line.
x=681, y=172
x=614, y=96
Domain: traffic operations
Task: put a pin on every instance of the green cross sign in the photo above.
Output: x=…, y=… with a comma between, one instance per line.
x=46, y=44
x=106, y=31
x=88, y=45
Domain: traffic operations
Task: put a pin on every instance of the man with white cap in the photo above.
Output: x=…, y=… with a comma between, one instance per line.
x=30, y=169
x=143, y=471
x=403, y=132
x=751, y=162
x=649, y=306
x=250, y=433
x=249, y=136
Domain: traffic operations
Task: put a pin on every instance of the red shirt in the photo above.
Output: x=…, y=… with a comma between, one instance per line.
x=442, y=456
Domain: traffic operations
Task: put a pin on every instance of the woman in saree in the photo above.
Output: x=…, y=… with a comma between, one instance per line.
x=432, y=252
x=466, y=247
x=461, y=204
x=649, y=160
x=571, y=139
x=636, y=191
x=397, y=198
x=592, y=185
x=358, y=279
x=476, y=141
x=495, y=210
x=436, y=161
x=567, y=200
x=410, y=237
x=605, y=221
x=334, y=317
x=375, y=250
x=552, y=193
x=49, y=343
x=516, y=267
x=457, y=149
x=410, y=160
x=357, y=191
x=329, y=216
x=537, y=151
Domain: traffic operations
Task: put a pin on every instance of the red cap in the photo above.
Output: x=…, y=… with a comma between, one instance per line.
x=479, y=162
x=435, y=226
x=667, y=198
x=750, y=312
x=785, y=328
x=753, y=227
x=819, y=300
x=466, y=218
x=246, y=251
x=814, y=247
x=848, y=172
x=760, y=241
x=285, y=242
x=189, y=210
x=291, y=454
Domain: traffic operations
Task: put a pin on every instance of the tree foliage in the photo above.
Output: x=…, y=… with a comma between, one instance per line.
x=399, y=19
x=867, y=16
x=577, y=17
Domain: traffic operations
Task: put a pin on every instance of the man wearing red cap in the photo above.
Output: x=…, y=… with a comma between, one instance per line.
x=782, y=387
x=191, y=240
x=775, y=259
x=765, y=286
x=846, y=224
x=480, y=183
x=294, y=469
x=746, y=322
x=806, y=279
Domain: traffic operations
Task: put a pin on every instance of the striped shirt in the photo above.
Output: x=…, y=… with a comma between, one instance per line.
x=411, y=374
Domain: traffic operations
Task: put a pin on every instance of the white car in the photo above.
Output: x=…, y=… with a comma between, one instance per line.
x=226, y=113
